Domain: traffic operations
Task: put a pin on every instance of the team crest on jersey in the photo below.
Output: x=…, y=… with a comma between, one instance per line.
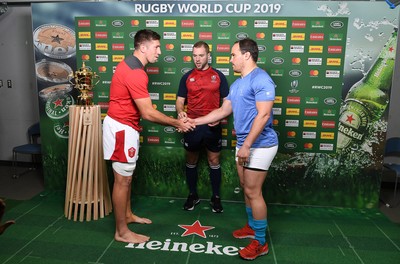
x=131, y=152
x=213, y=78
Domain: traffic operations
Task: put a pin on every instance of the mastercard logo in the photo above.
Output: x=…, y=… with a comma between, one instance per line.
x=187, y=59
x=275, y=122
x=314, y=73
x=260, y=35
x=278, y=48
x=169, y=46
x=135, y=22
x=102, y=68
x=85, y=57
x=296, y=60
x=242, y=23
x=291, y=134
x=308, y=145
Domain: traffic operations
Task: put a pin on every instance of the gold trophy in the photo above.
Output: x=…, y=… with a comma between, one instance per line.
x=85, y=80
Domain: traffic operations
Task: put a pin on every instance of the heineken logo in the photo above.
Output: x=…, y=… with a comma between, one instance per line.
x=57, y=106
x=61, y=129
x=195, y=229
x=350, y=132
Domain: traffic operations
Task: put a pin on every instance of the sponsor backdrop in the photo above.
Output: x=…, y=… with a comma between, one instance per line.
x=331, y=136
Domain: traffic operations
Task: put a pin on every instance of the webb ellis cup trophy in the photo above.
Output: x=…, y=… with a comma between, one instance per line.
x=85, y=80
x=87, y=191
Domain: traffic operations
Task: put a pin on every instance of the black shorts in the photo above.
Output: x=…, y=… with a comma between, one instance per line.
x=203, y=135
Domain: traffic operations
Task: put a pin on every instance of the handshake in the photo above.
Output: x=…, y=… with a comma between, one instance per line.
x=185, y=124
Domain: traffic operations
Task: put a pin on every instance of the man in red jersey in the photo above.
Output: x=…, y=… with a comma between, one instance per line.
x=202, y=89
x=130, y=101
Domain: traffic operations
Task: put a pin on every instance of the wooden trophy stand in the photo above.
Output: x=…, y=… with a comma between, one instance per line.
x=87, y=189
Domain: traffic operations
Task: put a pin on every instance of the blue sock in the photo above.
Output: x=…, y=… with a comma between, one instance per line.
x=260, y=227
x=250, y=219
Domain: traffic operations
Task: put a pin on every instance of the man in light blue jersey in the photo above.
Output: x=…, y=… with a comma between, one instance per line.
x=250, y=99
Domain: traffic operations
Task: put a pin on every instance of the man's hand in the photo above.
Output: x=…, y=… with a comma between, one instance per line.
x=243, y=156
x=214, y=123
x=182, y=115
x=186, y=124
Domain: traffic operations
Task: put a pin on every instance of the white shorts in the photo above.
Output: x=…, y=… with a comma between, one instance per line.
x=260, y=158
x=120, y=141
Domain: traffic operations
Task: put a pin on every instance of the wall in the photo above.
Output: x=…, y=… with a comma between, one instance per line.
x=18, y=105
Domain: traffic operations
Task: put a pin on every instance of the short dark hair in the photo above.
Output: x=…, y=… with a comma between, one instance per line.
x=249, y=45
x=144, y=35
x=200, y=43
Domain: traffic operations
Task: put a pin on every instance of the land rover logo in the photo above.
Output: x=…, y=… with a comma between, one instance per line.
x=330, y=101
x=277, y=60
x=262, y=48
x=241, y=35
x=132, y=34
x=290, y=145
x=224, y=23
x=295, y=73
x=117, y=23
x=337, y=24
x=185, y=70
x=169, y=59
x=169, y=129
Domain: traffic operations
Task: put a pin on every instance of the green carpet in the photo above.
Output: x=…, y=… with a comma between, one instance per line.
x=296, y=234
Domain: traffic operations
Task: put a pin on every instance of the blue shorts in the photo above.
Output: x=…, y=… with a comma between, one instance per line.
x=203, y=135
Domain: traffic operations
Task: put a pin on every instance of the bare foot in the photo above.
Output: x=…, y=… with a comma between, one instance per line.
x=131, y=237
x=136, y=219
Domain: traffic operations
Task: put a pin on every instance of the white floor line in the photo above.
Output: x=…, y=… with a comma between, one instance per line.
x=272, y=246
x=348, y=242
x=394, y=244
x=27, y=244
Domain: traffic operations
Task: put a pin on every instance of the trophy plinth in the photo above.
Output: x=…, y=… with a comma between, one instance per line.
x=85, y=80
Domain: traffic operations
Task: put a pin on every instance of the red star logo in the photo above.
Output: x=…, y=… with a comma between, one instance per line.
x=196, y=228
x=58, y=102
x=391, y=49
x=350, y=118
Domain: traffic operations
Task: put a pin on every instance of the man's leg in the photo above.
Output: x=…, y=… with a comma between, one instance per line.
x=191, y=170
x=122, y=185
x=215, y=179
x=191, y=180
x=253, y=182
x=215, y=172
x=130, y=216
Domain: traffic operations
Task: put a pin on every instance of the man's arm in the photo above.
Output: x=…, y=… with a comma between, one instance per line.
x=216, y=115
x=149, y=113
x=180, y=107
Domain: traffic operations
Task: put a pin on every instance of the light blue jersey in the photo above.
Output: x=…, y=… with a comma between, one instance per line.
x=257, y=86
